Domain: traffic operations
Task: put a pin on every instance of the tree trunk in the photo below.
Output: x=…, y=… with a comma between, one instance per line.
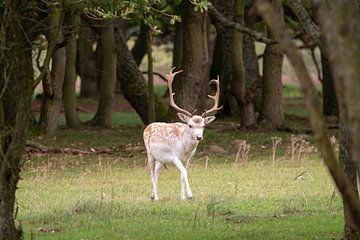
x=311, y=99
x=151, y=110
x=178, y=45
x=350, y=170
x=103, y=116
x=342, y=36
x=222, y=63
x=272, y=114
x=133, y=83
x=140, y=48
x=190, y=87
x=330, y=103
x=87, y=64
x=16, y=81
x=72, y=119
x=251, y=63
x=53, y=84
x=239, y=87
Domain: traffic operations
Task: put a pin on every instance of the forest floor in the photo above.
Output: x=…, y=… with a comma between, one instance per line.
x=102, y=190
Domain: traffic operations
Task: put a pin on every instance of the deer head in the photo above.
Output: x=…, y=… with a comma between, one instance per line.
x=195, y=123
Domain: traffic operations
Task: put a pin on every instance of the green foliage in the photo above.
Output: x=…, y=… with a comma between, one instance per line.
x=151, y=12
x=200, y=5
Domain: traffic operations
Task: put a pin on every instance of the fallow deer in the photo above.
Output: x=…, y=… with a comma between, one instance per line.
x=176, y=142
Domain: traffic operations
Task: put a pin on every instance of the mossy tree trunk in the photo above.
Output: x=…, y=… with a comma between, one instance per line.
x=69, y=90
x=53, y=84
x=16, y=81
x=103, y=116
x=272, y=113
x=87, y=64
x=239, y=87
x=190, y=86
x=133, y=83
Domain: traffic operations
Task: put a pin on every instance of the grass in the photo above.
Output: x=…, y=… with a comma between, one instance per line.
x=107, y=196
x=101, y=198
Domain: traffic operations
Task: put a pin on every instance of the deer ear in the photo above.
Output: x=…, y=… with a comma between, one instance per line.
x=208, y=120
x=183, y=117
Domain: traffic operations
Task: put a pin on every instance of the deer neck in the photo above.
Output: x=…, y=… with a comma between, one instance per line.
x=187, y=142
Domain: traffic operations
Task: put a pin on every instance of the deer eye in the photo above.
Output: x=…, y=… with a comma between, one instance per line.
x=191, y=126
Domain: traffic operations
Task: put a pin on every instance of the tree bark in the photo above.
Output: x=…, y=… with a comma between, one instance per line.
x=87, y=65
x=53, y=84
x=313, y=104
x=69, y=90
x=133, y=83
x=272, y=114
x=16, y=81
x=141, y=46
x=341, y=33
x=238, y=86
x=222, y=63
x=349, y=167
x=103, y=116
x=190, y=86
x=178, y=45
x=330, y=103
x=151, y=110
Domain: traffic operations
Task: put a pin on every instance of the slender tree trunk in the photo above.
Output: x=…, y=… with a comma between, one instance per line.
x=239, y=87
x=190, y=87
x=311, y=100
x=87, y=65
x=16, y=82
x=140, y=48
x=152, y=116
x=72, y=119
x=103, y=116
x=272, y=114
x=53, y=84
x=342, y=36
x=133, y=83
x=330, y=103
x=350, y=170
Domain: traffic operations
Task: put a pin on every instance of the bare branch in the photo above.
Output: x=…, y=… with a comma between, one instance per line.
x=310, y=27
x=237, y=26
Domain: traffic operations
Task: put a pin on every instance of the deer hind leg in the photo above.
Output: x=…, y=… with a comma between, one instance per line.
x=151, y=162
x=184, y=180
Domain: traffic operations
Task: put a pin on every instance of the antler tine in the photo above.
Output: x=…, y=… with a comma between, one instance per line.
x=170, y=78
x=215, y=97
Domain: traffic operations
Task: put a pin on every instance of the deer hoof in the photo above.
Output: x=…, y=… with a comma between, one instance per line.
x=190, y=197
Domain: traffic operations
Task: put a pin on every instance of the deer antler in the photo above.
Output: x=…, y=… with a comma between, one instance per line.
x=170, y=78
x=215, y=98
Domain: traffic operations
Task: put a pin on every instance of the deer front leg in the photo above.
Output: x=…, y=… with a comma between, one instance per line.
x=184, y=180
